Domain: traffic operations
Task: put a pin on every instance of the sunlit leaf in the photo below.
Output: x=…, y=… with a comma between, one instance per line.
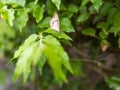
x=24, y=54
x=32, y=73
x=24, y=63
x=41, y=63
x=53, y=59
x=1, y=5
x=57, y=3
x=38, y=12
x=36, y=1
x=56, y=57
x=30, y=6
x=27, y=42
x=38, y=55
x=22, y=18
x=14, y=2
x=8, y=16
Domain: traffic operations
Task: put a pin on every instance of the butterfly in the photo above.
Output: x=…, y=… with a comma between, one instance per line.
x=54, y=22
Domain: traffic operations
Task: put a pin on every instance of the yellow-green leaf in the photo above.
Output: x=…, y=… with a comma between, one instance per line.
x=8, y=15
x=56, y=57
x=14, y=2
x=22, y=18
x=84, y=2
x=38, y=12
x=57, y=3
x=27, y=42
x=97, y=4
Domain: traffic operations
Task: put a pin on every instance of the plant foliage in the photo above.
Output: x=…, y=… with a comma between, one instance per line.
x=98, y=19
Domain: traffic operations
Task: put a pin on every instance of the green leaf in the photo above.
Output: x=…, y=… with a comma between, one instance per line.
x=53, y=59
x=51, y=7
x=22, y=18
x=1, y=5
x=56, y=57
x=92, y=10
x=57, y=3
x=66, y=25
x=30, y=6
x=14, y=2
x=89, y=31
x=65, y=59
x=8, y=15
x=27, y=42
x=60, y=35
x=31, y=52
x=44, y=23
x=24, y=63
x=32, y=74
x=111, y=15
x=113, y=82
x=41, y=63
x=38, y=12
x=66, y=14
x=73, y=8
x=63, y=7
x=103, y=34
x=116, y=23
x=104, y=10
x=38, y=55
x=101, y=25
x=97, y=4
x=84, y=2
x=83, y=17
x=36, y=1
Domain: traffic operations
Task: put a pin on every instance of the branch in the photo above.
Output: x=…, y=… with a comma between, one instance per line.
x=102, y=68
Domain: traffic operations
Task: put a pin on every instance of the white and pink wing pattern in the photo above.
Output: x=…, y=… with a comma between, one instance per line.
x=54, y=22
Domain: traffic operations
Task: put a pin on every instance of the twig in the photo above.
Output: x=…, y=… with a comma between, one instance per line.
x=99, y=65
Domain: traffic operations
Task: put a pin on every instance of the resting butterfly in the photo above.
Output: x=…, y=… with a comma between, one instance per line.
x=54, y=22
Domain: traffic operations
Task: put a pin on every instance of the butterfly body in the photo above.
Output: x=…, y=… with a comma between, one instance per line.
x=54, y=22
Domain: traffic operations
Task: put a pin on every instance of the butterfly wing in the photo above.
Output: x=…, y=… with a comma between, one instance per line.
x=54, y=22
